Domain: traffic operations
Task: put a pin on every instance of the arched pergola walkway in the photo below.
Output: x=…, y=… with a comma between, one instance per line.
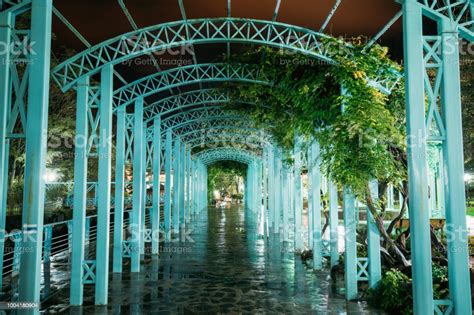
x=170, y=140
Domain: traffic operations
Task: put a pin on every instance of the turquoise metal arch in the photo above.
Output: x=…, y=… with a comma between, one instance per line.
x=220, y=154
x=201, y=31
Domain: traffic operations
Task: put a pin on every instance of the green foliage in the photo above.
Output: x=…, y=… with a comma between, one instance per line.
x=225, y=177
x=364, y=141
x=394, y=293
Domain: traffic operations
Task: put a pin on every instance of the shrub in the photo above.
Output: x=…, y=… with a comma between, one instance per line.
x=394, y=293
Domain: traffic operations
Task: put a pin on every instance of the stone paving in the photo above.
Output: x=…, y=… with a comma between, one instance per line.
x=226, y=268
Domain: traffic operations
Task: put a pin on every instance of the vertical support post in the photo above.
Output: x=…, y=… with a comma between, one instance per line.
x=80, y=192
x=182, y=186
x=277, y=188
x=6, y=26
x=155, y=225
x=417, y=165
x=168, y=160
x=350, y=259
x=188, y=185
x=315, y=163
x=271, y=188
x=373, y=239
x=138, y=171
x=333, y=223
x=176, y=183
x=286, y=199
x=36, y=138
x=298, y=196
x=119, y=189
x=104, y=186
x=458, y=251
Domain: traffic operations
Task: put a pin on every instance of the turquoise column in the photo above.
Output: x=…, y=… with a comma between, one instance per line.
x=176, y=184
x=350, y=259
x=277, y=188
x=297, y=194
x=36, y=143
x=138, y=171
x=119, y=189
x=188, y=185
x=286, y=206
x=271, y=188
x=417, y=165
x=144, y=207
x=333, y=223
x=6, y=26
x=316, y=205
x=80, y=192
x=168, y=161
x=104, y=186
x=182, y=186
x=458, y=251
x=155, y=224
x=373, y=239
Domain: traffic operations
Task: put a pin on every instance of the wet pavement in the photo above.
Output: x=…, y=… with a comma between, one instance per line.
x=223, y=267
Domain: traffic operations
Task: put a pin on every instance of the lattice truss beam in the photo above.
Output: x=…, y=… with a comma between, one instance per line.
x=219, y=30
x=211, y=156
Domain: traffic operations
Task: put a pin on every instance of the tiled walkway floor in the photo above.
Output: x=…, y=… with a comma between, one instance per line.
x=226, y=268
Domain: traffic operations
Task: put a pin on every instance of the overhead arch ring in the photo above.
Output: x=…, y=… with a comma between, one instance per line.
x=200, y=31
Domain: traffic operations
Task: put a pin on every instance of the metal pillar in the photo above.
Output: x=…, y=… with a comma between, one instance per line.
x=168, y=162
x=297, y=194
x=271, y=188
x=80, y=192
x=182, y=186
x=373, y=239
x=333, y=223
x=188, y=185
x=120, y=161
x=104, y=186
x=6, y=26
x=277, y=188
x=176, y=184
x=36, y=138
x=286, y=200
x=350, y=259
x=315, y=175
x=138, y=171
x=417, y=165
x=155, y=218
x=458, y=251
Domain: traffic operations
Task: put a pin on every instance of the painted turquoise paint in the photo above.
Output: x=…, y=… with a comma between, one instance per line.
x=156, y=185
x=168, y=163
x=176, y=184
x=373, y=239
x=182, y=186
x=35, y=164
x=104, y=187
x=188, y=186
x=458, y=251
x=80, y=192
x=350, y=258
x=333, y=223
x=277, y=188
x=6, y=26
x=120, y=160
x=315, y=174
x=298, y=195
x=138, y=172
x=417, y=165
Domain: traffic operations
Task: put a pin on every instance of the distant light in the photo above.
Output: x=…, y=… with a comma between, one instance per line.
x=467, y=177
x=51, y=176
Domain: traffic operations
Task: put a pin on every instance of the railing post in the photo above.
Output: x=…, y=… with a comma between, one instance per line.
x=36, y=143
x=155, y=219
x=315, y=174
x=104, y=186
x=458, y=251
x=6, y=26
x=350, y=258
x=80, y=192
x=138, y=172
x=168, y=162
x=417, y=165
x=119, y=188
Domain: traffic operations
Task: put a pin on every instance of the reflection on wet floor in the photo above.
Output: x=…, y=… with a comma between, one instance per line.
x=224, y=268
